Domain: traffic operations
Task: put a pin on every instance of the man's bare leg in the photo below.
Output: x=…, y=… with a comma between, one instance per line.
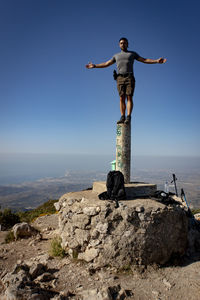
x=123, y=105
x=122, y=109
x=129, y=105
x=129, y=109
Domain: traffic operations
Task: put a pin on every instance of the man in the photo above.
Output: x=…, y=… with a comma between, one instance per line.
x=125, y=76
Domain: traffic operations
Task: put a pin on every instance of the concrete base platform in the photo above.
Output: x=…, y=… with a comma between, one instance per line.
x=133, y=189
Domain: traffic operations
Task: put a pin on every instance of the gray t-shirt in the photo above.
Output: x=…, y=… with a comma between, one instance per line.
x=124, y=61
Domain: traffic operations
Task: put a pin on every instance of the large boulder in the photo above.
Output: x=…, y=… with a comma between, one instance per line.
x=140, y=231
x=21, y=230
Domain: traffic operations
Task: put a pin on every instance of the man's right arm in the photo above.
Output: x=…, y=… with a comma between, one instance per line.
x=102, y=65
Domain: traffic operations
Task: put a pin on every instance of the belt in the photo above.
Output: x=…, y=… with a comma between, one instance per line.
x=126, y=74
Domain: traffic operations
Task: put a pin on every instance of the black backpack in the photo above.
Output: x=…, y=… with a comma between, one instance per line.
x=115, y=187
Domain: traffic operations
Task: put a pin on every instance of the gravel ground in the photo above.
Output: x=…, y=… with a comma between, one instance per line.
x=178, y=281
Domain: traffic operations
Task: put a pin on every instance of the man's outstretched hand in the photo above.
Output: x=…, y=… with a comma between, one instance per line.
x=90, y=65
x=161, y=60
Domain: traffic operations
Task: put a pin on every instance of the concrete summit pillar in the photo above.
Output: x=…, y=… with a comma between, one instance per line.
x=123, y=150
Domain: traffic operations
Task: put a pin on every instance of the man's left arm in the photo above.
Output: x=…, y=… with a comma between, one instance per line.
x=160, y=60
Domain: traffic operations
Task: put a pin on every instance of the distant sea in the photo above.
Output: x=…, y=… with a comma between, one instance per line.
x=17, y=168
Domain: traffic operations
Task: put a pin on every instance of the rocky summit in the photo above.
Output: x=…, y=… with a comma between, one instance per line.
x=138, y=232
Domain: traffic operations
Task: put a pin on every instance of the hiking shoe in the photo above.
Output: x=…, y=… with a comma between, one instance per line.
x=122, y=119
x=128, y=120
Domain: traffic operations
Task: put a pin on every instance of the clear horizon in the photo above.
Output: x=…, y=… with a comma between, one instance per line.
x=92, y=154
x=16, y=168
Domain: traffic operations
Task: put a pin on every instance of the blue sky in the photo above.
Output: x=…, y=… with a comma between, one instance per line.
x=49, y=101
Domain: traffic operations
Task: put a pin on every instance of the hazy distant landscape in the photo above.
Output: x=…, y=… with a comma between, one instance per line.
x=28, y=181
x=29, y=195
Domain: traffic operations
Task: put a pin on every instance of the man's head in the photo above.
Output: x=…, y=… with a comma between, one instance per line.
x=123, y=43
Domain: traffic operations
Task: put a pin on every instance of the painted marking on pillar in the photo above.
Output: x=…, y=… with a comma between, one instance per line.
x=119, y=154
x=119, y=130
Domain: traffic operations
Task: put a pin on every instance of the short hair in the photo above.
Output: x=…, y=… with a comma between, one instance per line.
x=123, y=38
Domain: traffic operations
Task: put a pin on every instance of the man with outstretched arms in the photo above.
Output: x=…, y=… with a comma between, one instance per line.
x=125, y=75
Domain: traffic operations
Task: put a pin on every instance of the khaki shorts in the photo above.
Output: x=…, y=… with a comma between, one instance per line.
x=125, y=85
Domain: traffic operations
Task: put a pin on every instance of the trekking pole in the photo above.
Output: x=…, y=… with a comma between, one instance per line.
x=189, y=210
x=183, y=197
x=174, y=181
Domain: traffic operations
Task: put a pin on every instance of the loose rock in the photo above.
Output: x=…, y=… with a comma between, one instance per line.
x=21, y=230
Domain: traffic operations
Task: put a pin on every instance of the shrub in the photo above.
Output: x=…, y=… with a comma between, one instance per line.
x=46, y=208
x=9, y=237
x=195, y=211
x=126, y=269
x=56, y=248
x=8, y=219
